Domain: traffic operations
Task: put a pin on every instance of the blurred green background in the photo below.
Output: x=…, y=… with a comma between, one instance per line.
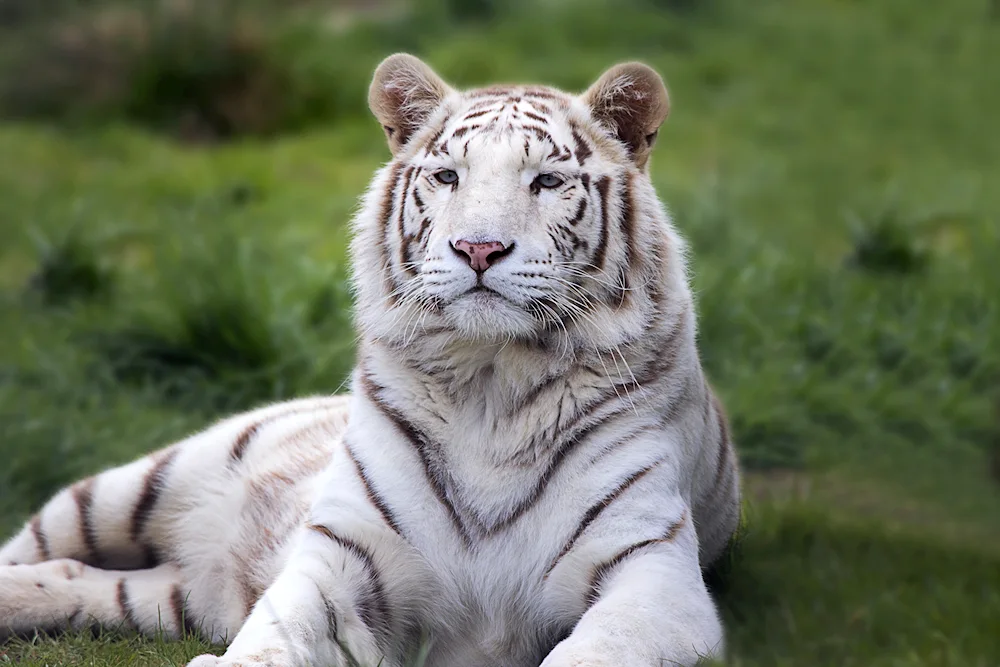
x=176, y=178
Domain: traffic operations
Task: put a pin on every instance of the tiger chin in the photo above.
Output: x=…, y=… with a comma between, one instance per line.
x=530, y=469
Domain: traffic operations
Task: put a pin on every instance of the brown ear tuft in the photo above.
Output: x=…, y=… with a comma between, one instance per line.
x=403, y=95
x=631, y=101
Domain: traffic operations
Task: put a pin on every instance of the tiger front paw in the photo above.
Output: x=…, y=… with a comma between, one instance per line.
x=571, y=654
x=269, y=658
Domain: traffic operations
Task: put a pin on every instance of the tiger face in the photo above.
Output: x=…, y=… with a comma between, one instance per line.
x=511, y=212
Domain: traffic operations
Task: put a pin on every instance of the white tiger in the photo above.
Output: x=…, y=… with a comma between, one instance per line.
x=531, y=468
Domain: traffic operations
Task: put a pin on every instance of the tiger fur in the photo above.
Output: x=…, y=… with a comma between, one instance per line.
x=530, y=468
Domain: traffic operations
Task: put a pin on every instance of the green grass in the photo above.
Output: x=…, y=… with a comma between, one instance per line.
x=831, y=162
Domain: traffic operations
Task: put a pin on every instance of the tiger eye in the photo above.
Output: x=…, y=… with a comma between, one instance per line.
x=447, y=176
x=548, y=180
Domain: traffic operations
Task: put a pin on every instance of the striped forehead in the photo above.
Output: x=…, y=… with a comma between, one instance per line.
x=532, y=114
x=517, y=103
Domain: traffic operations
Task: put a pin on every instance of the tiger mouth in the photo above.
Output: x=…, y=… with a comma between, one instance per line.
x=483, y=294
x=483, y=289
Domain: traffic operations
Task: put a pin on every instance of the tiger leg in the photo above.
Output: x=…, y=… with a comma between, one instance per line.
x=99, y=521
x=67, y=595
x=332, y=605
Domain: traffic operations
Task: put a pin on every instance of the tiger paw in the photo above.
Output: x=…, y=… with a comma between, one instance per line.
x=567, y=655
x=270, y=658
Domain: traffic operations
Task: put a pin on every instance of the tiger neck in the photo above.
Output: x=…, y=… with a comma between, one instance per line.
x=510, y=402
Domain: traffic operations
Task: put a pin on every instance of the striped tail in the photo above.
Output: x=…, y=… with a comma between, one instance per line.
x=100, y=521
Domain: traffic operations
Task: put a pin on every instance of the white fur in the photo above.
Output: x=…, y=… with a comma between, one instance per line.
x=530, y=422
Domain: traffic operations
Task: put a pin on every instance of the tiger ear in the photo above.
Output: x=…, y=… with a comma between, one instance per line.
x=403, y=95
x=631, y=101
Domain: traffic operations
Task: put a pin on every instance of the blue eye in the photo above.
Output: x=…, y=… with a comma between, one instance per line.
x=548, y=180
x=447, y=176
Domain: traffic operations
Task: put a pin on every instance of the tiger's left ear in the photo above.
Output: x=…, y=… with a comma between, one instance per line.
x=631, y=101
x=403, y=95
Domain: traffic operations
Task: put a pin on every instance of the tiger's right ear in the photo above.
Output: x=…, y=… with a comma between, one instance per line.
x=403, y=95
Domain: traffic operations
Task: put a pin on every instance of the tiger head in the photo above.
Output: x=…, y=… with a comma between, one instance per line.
x=515, y=213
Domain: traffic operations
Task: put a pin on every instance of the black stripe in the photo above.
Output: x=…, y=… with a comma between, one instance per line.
x=562, y=454
x=573, y=431
x=388, y=197
x=401, y=221
x=40, y=539
x=332, y=626
x=126, y=606
x=247, y=435
x=373, y=608
x=470, y=128
x=178, y=604
x=425, y=225
x=477, y=114
x=437, y=135
x=540, y=132
x=681, y=400
x=558, y=238
x=724, y=468
x=421, y=444
x=594, y=512
x=617, y=392
x=722, y=461
x=150, y=557
x=542, y=106
x=627, y=221
x=532, y=395
x=239, y=448
x=581, y=209
x=83, y=494
x=373, y=495
x=583, y=150
x=418, y=200
x=242, y=440
x=152, y=487
x=603, y=183
x=535, y=116
x=670, y=348
x=626, y=224
x=560, y=153
x=570, y=438
x=605, y=568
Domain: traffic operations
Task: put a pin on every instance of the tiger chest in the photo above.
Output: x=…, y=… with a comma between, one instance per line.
x=495, y=605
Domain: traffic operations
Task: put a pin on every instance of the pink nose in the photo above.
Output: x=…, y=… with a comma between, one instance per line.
x=481, y=255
